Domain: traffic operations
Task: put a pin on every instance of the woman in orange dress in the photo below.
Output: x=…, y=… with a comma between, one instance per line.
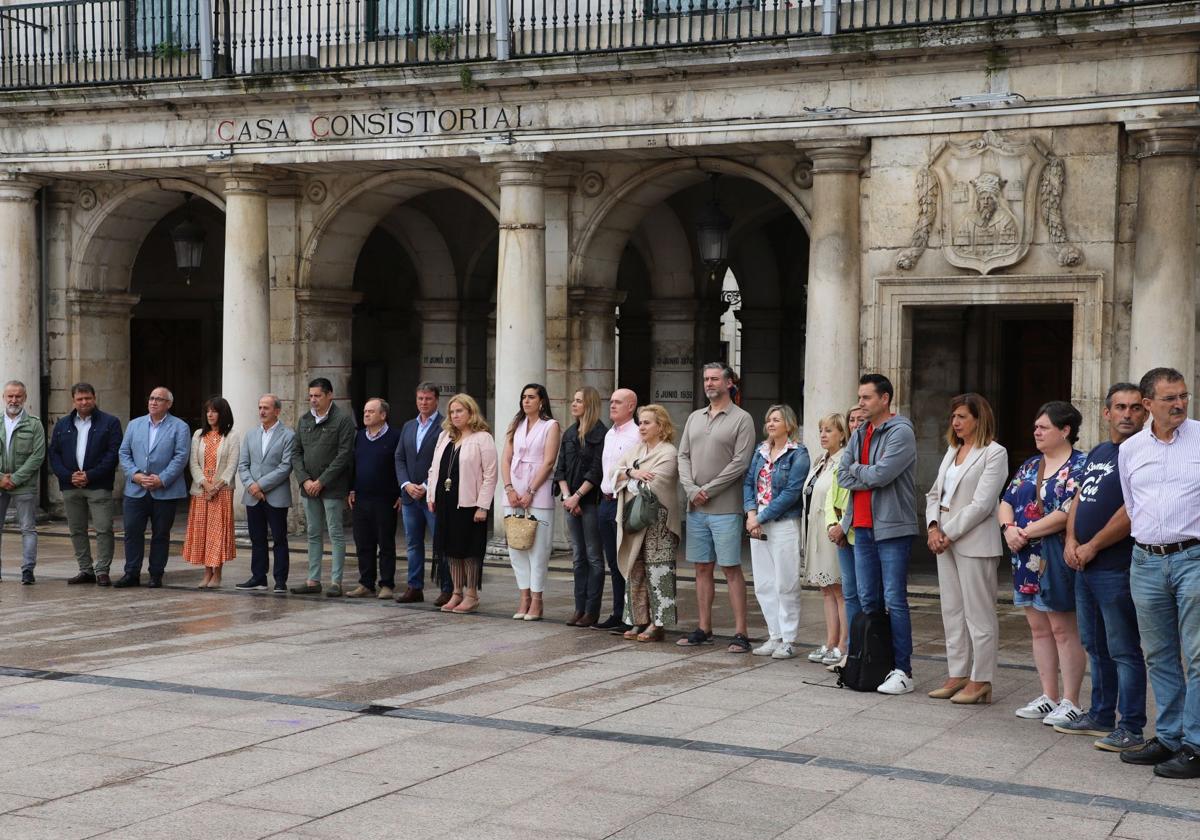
x=209, y=541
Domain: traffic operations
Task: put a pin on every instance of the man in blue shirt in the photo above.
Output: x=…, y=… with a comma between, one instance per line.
x=1100, y=548
x=153, y=455
x=414, y=457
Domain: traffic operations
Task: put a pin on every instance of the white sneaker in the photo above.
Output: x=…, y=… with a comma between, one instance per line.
x=1037, y=709
x=784, y=651
x=832, y=657
x=767, y=648
x=818, y=655
x=1065, y=713
x=897, y=682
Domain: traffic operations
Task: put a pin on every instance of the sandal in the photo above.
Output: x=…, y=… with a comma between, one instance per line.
x=739, y=644
x=653, y=633
x=695, y=638
x=631, y=633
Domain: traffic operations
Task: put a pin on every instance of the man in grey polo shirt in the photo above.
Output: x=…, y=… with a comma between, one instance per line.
x=714, y=454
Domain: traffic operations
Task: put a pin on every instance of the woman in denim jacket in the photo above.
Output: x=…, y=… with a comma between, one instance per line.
x=772, y=493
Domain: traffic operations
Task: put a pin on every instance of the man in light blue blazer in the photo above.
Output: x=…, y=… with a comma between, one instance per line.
x=265, y=468
x=153, y=455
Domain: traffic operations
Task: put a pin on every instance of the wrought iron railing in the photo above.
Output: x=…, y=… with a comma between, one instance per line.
x=84, y=42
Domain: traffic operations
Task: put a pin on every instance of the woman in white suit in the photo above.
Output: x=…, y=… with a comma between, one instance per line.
x=960, y=511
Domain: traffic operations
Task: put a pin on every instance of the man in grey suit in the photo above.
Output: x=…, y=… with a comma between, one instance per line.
x=265, y=467
x=153, y=455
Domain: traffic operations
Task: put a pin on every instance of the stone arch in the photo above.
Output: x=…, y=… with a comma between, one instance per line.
x=110, y=240
x=427, y=248
x=604, y=234
x=328, y=258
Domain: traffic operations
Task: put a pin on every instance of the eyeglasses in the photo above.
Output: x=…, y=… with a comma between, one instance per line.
x=1180, y=398
x=159, y=399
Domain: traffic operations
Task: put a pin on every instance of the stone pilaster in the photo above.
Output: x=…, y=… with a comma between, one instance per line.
x=325, y=317
x=521, y=285
x=1163, y=323
x=439, y=345
x=672, y=341
x=831, y=362
x=595, y=348
x=20, y=341
x=761, y=356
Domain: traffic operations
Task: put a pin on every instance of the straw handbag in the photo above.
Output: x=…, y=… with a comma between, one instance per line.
x=520, y=529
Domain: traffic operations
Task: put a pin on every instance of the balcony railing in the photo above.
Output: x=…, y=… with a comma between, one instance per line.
x=87, y=42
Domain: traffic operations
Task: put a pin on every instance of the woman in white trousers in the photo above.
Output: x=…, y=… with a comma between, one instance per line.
x=960, y=511
x=772, y=496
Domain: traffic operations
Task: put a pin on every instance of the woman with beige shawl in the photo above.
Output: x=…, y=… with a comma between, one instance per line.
x=647, y=557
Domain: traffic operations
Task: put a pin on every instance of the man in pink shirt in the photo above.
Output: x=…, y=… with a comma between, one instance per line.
x=621, y=436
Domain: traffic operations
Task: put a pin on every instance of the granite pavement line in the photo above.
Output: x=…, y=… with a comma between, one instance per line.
x=1047, y=794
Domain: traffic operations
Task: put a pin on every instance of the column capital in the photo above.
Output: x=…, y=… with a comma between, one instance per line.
x=516, y=169
x=592, y=300
x=673, y=309
x=437, y=310
x=834, y=155
x=243, y=180
x=1165, y=141
x=15, y=186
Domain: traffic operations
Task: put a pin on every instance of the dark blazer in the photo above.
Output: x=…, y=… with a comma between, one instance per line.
x=412, y=465
x=578, y=462
x=100, y=458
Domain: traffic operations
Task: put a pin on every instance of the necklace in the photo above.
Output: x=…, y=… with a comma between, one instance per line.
x=449, y=482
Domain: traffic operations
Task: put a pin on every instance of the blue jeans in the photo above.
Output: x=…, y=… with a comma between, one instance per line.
x=881, y=578
x=26, y=505
x=849, y=585
x=160, y=513
x=608, y=541
x=1109, y=632
x=419, y=520
x=587, y=558
x=1166, y=592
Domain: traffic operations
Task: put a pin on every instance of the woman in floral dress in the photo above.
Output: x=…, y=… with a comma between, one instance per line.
x=213, y=463
x=1033, y=516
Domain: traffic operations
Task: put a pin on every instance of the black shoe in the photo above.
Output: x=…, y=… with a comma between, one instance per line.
x=1185, y=765
x=611, y=623
x=27, y=578
x=1154, y=752
x=83, y=577
x=103, y=580
x=156, y=581
x=127, y=581
x=280, y=587
x=260, y=585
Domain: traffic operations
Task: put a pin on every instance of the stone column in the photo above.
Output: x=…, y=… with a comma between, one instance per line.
x=673, y=379
x=20, y=341
x=246, y=311
x=1163, y=323
x=521, y=285
x=326, y=319
x=761, y=354
x=594, y=356
x=439, y=345
x=831, y=361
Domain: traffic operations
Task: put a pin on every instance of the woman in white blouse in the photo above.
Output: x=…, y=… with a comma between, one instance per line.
x=960, y=511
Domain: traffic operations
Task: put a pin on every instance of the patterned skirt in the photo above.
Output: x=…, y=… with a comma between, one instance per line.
x=650, y=588
x=209, y=540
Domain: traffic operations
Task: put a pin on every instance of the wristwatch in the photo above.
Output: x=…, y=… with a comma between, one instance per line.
x=1004, y=526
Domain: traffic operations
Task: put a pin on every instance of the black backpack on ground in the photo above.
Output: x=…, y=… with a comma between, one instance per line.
x=870, y=658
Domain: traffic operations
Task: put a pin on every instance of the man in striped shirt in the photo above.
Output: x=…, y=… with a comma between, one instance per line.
x=1160, y=479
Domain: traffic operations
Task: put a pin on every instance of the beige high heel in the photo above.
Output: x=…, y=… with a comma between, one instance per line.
x=974, y=693
x=952, y=686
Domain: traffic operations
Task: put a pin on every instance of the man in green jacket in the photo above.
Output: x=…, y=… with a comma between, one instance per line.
x=322, y=460
x=22, y=450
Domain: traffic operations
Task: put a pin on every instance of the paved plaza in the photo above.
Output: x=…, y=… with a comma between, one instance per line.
x=181, y=714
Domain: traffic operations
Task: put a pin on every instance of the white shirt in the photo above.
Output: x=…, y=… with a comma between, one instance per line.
x=950, y=483
x=267, y=435
x=154, y=427
x=1161, y=484
x=83, y=426
x=10, y=424
x=318, y=419
x=616, y=441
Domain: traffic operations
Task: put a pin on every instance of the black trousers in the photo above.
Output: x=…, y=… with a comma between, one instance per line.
x=374, y=522
x=160, y=513
x=259, y=518
x=608, y=540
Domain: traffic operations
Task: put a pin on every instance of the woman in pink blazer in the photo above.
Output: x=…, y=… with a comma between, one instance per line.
x=462, y=485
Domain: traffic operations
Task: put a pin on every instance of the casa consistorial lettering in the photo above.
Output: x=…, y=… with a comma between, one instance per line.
x=384, y=122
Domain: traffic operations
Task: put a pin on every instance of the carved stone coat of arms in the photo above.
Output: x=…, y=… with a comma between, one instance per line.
x=986, y=194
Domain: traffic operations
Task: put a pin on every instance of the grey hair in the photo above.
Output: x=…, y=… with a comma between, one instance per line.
x=278, y=403
x=16, y=383
x=170, y=396
x=383, y=404
x=726, y=370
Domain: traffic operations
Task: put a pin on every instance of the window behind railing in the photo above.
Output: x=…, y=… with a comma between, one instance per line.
x=163, y=27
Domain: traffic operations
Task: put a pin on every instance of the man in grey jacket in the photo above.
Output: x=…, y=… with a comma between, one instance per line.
x=877, y=467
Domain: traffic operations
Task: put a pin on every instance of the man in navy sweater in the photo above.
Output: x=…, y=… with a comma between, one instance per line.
x=375, y=502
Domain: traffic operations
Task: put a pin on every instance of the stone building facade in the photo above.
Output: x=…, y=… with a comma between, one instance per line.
x=1005, y=205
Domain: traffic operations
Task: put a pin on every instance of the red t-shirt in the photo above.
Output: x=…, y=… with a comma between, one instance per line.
x=862, y=498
